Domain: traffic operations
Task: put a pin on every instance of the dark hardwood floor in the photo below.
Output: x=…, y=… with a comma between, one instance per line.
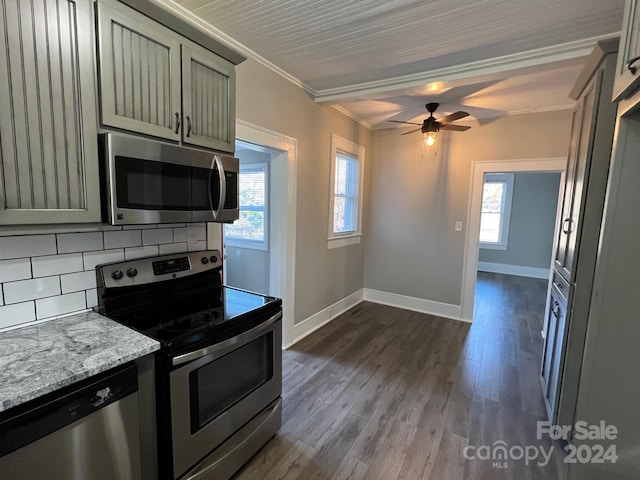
x=383, y=393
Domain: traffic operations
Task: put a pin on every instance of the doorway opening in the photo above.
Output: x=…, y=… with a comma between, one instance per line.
x=491, y=220
x=259, y=248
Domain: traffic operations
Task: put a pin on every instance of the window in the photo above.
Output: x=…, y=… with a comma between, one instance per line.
x=347, y=164
x=251, y=229
x=496, y=210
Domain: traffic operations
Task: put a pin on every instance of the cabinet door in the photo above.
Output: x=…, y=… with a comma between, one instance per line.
x=139, y=72
x=584, y=117
x=208, y=101
x=628, y=66
x=554, y=353
x=48, y=126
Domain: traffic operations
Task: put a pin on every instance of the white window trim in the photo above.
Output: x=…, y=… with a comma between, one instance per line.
x=339, y=144
x=230, y=241
x=505, y=221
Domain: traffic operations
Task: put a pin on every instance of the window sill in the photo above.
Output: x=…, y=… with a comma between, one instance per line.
x=493, y=246
x=337, y=242
x=247, y=245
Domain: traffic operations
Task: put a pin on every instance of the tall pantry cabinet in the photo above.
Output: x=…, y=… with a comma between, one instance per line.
x=609, y=389
x=576, y=246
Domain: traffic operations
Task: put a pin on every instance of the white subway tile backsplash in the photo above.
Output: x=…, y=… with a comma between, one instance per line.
x=158, y=236
x=125, y=238
x=197, y=246
x=74, y=282
x=79, y=242
x=180, y=234
x=139, y=252
x=196, y=233
x=27, y=246
x=92, y=298
x=16, y=269
x=50, y=307
x=173, y=248
x=24, y=290
x=56, y=264
x=91, y=259
x=63, y=266
x=16, y=314
x=139, y=227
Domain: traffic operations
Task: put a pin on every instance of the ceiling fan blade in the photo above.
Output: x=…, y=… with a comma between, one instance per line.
x=400, y=121
x=453, y=117
x=407, y=133
x=455, y=128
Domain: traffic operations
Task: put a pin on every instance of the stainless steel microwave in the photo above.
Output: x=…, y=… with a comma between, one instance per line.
x=147, y=181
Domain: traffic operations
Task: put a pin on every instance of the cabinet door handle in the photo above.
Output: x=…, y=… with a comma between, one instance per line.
x=630, y=65
x=177, y=122
x=566, y=225
x=555, y=309
x=188, y=126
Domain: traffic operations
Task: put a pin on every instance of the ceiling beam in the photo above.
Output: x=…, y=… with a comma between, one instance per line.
x=493, y=67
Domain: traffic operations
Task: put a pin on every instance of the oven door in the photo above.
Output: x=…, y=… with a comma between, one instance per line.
x=221, y=388
x=154, y=182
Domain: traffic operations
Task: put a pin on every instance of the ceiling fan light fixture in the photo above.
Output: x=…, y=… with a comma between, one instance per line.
x=430, y=138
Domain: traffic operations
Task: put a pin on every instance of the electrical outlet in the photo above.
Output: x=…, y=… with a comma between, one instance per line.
x=458, y=226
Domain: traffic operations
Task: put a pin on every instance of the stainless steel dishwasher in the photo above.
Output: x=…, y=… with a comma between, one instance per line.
x=87, y=431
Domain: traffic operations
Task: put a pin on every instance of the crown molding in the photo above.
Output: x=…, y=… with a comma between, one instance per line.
x=530, y=58
x=190, y=17
x=346, y=112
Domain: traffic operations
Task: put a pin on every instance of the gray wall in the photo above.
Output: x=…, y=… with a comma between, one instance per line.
x=533, y=218
x=322, y=276
x=416, y=195
x=248, y=268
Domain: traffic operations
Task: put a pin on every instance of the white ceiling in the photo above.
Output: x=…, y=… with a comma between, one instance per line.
x=383, y=59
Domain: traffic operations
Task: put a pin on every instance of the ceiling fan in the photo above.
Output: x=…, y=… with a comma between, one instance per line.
x=430, y=127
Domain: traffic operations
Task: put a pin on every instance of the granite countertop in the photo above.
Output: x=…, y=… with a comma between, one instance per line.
x=42, y=358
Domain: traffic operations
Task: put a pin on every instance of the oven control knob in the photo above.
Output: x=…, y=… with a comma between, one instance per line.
x=132, y=272
x=116, y=275
x=213, y=259
x=204, y=260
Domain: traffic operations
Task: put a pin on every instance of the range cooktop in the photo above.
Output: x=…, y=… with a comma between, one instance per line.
x=178, y=300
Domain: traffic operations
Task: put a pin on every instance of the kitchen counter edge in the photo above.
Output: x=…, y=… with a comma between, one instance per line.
x=39, y=359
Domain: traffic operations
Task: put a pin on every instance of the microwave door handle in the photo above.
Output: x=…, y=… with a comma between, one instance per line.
x=213, y=211
x=223, y=186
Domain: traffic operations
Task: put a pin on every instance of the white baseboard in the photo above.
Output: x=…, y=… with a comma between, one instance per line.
x=317, y=320
x=518, y=270
x=421, y=305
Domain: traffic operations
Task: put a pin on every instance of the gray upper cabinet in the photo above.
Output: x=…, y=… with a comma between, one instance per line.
x=628, y=65
x=139, y=72
x=208, y=100
x=48, y=129
x=155, y=82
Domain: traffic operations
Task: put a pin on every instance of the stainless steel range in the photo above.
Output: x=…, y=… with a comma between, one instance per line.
x=219, y=371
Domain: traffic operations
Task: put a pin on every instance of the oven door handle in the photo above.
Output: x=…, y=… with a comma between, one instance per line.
x=242, y=338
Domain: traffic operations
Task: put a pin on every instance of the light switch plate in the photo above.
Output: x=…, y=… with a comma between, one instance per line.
x=458, y=226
